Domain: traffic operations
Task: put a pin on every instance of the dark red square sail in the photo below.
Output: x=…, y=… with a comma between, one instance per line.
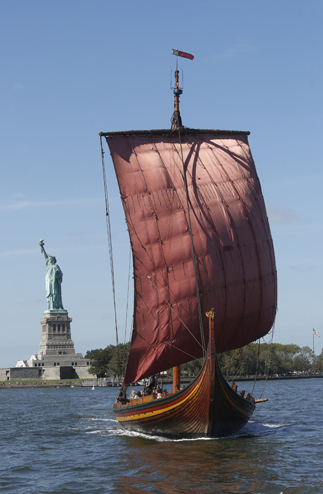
x=232, y=241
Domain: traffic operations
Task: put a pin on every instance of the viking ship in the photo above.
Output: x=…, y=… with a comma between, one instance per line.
x=204, y=271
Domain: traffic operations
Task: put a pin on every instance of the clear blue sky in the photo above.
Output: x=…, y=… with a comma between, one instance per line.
x=72, y=69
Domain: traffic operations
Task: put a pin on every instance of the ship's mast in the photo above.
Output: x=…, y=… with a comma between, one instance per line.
x=177, y=124
x=176, y=119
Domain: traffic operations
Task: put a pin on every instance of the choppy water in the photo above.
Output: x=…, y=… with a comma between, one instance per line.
x=67, y=441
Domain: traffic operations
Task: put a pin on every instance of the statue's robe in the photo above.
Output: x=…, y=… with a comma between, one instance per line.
x=54, y=278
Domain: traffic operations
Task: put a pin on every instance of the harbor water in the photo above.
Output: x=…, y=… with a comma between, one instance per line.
x=66, y=440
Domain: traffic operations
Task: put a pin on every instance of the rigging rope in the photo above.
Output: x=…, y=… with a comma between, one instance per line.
x=171, y=307
x=237, y=372
x=255, y=379
x=192, y=245
x=126, y=322
x=171, y=344
x=269, y=362
x=107, y=215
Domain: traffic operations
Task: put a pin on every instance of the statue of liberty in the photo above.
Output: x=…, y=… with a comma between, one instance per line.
x=53, y=279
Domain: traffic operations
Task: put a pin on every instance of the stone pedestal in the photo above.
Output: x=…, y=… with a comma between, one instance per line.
x=56, y=358
x=56, y=334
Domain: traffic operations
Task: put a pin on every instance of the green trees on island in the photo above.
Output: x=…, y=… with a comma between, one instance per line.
x=110, y=362
x=269, y=359
x=255, y=358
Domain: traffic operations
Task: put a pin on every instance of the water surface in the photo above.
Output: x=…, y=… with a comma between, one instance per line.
x=66, y=440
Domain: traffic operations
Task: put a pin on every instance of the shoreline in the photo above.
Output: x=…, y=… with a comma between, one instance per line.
x=279, y=378
x=44, y=384
x=87, y=384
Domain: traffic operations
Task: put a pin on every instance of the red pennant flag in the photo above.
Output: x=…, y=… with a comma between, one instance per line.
x=183, y=54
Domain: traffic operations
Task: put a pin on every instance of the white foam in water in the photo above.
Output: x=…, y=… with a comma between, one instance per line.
x=106, y=426
x=252, y=428
x=275, y=426
x=124, y=432
x=104, y=420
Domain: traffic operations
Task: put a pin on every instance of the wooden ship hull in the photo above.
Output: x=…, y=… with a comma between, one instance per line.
x=207, y=407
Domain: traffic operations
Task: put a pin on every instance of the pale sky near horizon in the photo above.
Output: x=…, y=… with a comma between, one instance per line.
x=70, y=70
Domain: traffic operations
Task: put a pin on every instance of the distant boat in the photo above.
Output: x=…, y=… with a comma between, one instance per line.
x=201, y=244
x=92, y=388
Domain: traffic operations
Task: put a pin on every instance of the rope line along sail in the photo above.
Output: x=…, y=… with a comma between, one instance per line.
x=126, y=321
x=198, y=296
x=107, y=215
x=172, y=345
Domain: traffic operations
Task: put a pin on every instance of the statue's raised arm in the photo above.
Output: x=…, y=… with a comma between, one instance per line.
x=53, y=279
x=42, y=250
